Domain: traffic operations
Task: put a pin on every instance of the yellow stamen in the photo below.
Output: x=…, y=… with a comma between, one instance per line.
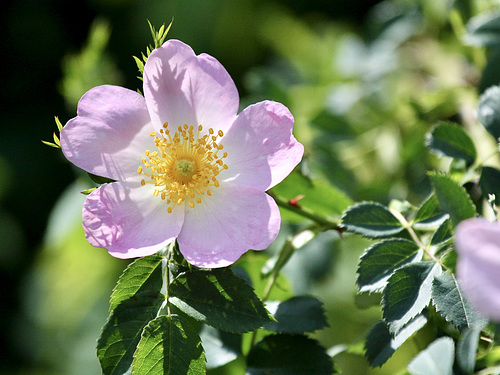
x=185, y=166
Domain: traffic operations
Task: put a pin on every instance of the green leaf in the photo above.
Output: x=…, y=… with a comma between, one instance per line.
x=317, y=195
x=285, y=354
x=488, y=110
x=122, y=331
x=490, y=183
x=380, y=345
x=169, y=345
x=436, y=359
x=443, y=233
x=449, y=139
x=484, y=30
x=297, y=315
x=452, y=198
x=144, y=274
x=452, y=305
x=407, y=293
x=429, y=215
x=371, y=219
x=219, y=298
x=220, y=347
x=467, y=348
x=381, y=259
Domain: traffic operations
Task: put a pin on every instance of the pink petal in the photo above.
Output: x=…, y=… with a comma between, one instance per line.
x=128, y=220
x=182, y=88
x=260, y=146
x=477, y=243
x=217, y=231
x=110, y=134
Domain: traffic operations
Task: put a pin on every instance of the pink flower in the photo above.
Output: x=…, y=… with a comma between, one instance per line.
x=477, y=242
x=187, y=166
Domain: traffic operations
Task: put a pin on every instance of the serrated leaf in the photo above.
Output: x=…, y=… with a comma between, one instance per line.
x=381, y=259
x=169, y=345
x=220, y=347
x=219, y=298
x=284, y=354
x=371, y=219
x=452, y=305
x=122, y=331
x=429, y=214
x=448, y=139
x=442, y=234
x=297, y=315
x=484, y=30
x=380, y=345
x=488, y=110
x=436, y=359
x=466, y=350
x=490, y=183
x=452, y=198
x=407, y=293
x=144, y=274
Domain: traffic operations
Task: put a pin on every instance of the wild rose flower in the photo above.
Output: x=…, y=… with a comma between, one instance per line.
x=477, y=242
x=187, y=166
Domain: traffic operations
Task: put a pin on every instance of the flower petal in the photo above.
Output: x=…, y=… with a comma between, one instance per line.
x=478, y=266
x=217, y=231
x=128, y=220
x=182, y=88
x=110, y=134
x=260, y=146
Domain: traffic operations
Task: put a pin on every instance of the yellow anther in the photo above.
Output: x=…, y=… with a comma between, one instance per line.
x=185, y=166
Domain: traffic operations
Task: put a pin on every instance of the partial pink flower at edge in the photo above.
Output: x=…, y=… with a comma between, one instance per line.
x=203, y=183
x=477, y=242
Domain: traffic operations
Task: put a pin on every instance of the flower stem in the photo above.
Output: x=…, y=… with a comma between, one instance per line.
x=324, y=221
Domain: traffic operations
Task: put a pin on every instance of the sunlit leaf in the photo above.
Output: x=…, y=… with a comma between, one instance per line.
x=169, y=345
x=381, y=259
x=436, y=359
x=452, y=198
x=407, y=293
x=452, y=305
x=448, y=139
x=219, y=298
x=285, y=354
x=371, y=219
x=297, y=315
x=122, y=331
x=380, y=345
x=429, y=214
x=144, y=274
x=442, y=234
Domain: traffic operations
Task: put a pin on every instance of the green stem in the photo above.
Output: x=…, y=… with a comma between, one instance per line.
x=324, y=221
x=415, y=238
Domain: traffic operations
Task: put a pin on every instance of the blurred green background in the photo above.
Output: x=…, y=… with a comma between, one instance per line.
x=365, y=80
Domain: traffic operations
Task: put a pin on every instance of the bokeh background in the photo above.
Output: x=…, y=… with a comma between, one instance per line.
x=365, y=80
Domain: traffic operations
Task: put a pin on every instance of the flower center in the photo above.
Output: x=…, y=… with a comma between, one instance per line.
x=186, y=165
